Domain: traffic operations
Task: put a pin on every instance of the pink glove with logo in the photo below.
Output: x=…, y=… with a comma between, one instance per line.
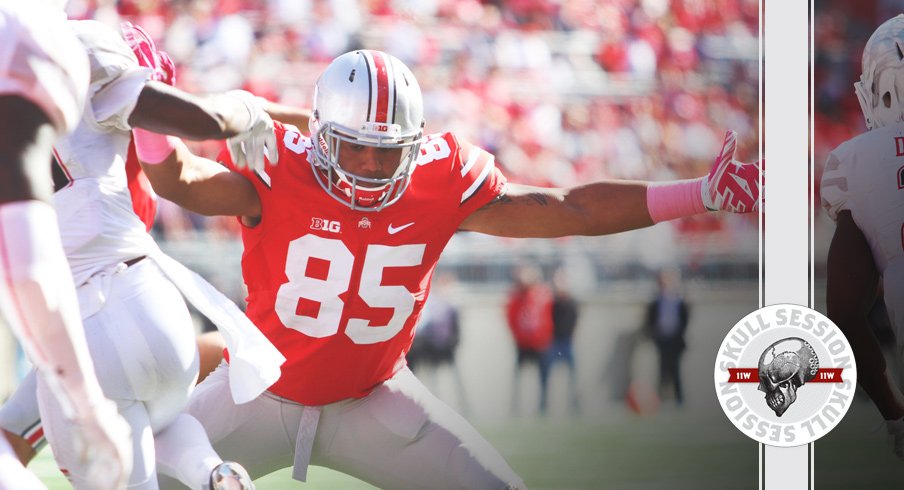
x=731, y=185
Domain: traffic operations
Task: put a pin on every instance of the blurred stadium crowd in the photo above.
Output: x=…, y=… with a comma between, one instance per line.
x=561, y=91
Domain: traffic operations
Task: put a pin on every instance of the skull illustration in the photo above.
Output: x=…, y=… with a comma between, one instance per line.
x=784, y=367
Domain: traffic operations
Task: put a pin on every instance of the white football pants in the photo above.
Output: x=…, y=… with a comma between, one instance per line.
x=400, y=436
x=142, y=341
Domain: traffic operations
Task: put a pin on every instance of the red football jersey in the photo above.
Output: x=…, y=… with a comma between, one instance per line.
x=337, y=291
x=529, y=315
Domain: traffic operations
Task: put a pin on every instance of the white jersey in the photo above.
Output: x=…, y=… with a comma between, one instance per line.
x=40, y=60
x=865, y=175
x=97, y=223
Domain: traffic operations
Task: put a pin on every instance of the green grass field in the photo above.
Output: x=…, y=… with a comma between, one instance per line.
x=673, y=450
x=573, y=454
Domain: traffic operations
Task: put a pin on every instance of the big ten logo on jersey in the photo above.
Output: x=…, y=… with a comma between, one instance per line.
x=326, y=225
x=435, y=148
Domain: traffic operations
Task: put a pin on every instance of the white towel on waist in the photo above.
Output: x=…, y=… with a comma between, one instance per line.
x=253, y=361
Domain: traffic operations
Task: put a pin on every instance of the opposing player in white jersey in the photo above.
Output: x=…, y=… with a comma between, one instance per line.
x=863, y=191
x=43, y=84
x=341, y=239
x=137, y=325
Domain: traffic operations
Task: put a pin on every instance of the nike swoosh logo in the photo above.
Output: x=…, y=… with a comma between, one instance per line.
x=393, y=230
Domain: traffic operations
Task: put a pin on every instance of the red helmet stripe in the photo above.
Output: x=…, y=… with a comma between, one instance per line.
x=381, y=87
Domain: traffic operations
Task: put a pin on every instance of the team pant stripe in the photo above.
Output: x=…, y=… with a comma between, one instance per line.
x=36, y=439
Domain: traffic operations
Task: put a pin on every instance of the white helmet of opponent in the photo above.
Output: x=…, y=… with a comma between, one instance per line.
x=369, y=98
x=881, y=86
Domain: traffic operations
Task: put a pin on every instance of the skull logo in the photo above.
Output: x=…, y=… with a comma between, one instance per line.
x=784, y=367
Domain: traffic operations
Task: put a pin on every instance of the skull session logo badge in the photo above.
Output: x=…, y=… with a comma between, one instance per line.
x=782, y=373
x=785, y=375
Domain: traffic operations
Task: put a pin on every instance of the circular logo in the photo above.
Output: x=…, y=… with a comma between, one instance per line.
x=785, y=375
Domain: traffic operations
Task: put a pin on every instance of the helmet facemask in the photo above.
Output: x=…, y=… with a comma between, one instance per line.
x=365, y=98
x=880, y=90
x=358, y=192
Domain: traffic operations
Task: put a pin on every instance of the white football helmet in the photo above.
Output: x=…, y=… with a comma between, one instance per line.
x=881, y=86
x=369, y=98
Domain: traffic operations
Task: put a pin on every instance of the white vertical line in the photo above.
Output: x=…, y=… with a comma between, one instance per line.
x=786, y=242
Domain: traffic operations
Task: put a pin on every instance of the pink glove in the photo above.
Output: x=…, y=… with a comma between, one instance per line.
x=731, y=185
x=147, y=53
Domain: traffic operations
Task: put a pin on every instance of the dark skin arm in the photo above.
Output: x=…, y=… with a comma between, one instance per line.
x=852, y=276
x=852, y=290
x=168, y=110
x=600, y=208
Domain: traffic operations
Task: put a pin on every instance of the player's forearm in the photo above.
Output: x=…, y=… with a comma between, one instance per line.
x=168, y=110
x=599, y=208
x=610, y=206
x=201, y=185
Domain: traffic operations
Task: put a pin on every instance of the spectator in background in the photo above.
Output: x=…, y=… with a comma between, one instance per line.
x=438, y=333
x=666, y=323
x=529, y=315
x=564, y=320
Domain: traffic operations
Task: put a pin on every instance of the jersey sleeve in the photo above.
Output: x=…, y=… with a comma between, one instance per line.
x=116, y=77
x=481, y=181
x=834, y=186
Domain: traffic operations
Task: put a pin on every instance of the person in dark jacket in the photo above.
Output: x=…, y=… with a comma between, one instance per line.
x=666, y=323
x=565, y=311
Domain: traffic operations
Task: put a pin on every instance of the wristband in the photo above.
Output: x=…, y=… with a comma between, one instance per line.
x=153, y=147
x=675, y=199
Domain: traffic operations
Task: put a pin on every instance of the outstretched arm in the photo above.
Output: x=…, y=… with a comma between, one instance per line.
x=169, y=110
x=607, y=207
x=237, y=115
x=599, y=208
x=198, y=184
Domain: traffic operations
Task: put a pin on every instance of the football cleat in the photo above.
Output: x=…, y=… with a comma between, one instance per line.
x=230, y=475
x=896, y=431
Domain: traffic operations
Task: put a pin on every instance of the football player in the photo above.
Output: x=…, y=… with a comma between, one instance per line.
x=20, y=419
x=863, y=191
x=43, y=83
x=138, y=328
x=341, y=239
